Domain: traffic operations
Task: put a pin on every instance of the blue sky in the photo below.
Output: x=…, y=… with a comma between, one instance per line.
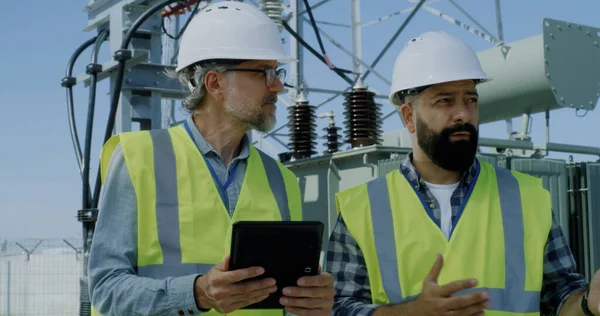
x=40, y=186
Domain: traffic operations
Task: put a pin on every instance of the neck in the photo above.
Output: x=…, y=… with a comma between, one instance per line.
x=431, y=172
x=221, y=131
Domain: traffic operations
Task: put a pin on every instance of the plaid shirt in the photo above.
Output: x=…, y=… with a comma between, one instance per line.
x=346, y=262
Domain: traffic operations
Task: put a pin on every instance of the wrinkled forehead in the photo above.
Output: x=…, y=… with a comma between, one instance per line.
x=260, y=64
x=453, y=88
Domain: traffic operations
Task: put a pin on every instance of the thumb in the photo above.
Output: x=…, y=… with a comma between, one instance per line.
x=223, y=265
x=435, y=270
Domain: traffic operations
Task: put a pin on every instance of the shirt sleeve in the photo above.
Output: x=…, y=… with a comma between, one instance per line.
x=115, y=288
x=346, y=264
x=560, y=272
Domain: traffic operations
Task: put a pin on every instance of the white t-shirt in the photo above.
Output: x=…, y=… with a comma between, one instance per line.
x=443, y=194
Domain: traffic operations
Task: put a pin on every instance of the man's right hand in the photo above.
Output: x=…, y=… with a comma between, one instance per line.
x=438, y=300
x=219, y=288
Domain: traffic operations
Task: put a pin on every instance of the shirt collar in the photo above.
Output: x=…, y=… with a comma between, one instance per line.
x=408, y=169
x=206, y=148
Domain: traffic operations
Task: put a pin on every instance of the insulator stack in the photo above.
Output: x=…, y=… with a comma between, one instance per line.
x=332, y=136
x=274, y=9
x=302, y=128
x=363, y=117
x=332, y=139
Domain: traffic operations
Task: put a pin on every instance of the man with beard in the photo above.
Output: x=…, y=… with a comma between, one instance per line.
x=447, y=234
x=170, y=196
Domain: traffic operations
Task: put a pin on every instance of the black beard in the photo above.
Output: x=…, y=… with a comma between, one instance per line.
x=451, y=156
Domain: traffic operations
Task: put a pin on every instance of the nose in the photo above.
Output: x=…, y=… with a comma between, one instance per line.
x=462, y=113
x=276, y=86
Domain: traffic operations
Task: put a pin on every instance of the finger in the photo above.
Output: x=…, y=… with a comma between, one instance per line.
x=467, y=300
x=314, y=292
x=310, y=303
x=248, y=296
x=241, y=304
x=226, y=263
x=474, y=309
x=223, y=265
x=321, y=280
x=307, y=312
x=235, y=276
x=435, y=270
x=242, y=288
x=448, y=289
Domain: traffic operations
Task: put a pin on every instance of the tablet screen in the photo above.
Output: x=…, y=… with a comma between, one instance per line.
x=286, y=250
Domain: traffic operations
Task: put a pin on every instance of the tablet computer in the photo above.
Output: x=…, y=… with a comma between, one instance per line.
x=286, y=250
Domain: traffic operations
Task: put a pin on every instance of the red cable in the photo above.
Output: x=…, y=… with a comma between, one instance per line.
x=178, y=8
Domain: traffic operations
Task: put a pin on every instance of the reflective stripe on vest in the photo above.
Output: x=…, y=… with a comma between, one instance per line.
x=167, y=212
x=277, y=185
x=512, y=223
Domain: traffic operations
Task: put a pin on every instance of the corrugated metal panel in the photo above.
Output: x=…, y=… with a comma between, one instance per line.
x=386, y=166
x=593, y=218
x=487, y=158
x=554, y=179
x=577, y=204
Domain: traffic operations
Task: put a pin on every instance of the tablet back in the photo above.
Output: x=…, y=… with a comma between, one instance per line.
x=287, y=251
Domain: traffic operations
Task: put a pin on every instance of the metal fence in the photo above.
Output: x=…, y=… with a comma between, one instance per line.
x=40, y=277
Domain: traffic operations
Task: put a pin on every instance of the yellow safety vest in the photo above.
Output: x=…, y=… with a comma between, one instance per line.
x=183, y=226
x=499, y=239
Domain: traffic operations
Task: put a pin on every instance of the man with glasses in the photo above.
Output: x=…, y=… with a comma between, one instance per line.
x=170, y=196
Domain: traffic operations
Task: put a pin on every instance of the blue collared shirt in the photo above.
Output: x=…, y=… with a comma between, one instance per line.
x=115, y=288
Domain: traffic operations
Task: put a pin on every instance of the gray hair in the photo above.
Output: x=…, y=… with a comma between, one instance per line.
x=193, y=78
x=412, y=99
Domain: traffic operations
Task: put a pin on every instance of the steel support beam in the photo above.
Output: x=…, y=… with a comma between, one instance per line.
x=393, y=39
x=296, y=50
x=319, y=90
x=499, y=22
x=356, y=36
x=351, y=54
x=463, y=11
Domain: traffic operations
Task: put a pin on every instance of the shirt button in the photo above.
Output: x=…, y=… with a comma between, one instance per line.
x=431, y=206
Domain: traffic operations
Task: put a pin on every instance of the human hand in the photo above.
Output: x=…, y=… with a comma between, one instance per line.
x=224, y=290
x=438, y=300
x=313, y=295
x=594, y=296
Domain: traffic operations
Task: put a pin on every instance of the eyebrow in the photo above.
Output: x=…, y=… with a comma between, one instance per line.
x=265, y=65
x=449, y=94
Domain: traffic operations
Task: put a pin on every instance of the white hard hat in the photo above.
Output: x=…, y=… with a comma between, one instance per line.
x=432, y=58
x=231, y=30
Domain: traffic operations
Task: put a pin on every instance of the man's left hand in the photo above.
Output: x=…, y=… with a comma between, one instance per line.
x=594, y=296
x=313, y=296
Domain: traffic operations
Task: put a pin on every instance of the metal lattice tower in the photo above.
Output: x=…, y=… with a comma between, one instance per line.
x=296, y=15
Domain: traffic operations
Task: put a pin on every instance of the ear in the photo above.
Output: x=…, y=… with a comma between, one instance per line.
x=214, y=83
x=407, y=111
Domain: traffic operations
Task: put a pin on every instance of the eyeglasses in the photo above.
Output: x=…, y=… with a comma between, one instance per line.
x=271, y=74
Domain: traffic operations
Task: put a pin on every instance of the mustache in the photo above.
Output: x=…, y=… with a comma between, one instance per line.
x=460, y=128
x=270, y=99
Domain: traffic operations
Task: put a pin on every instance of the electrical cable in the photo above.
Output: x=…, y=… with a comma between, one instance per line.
x=338, y=71
x=180, y=33
x=121, y=56
x=317, y=33
x=68, y=82
x=92, y=69
x=179, y=8
x=393, y=39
